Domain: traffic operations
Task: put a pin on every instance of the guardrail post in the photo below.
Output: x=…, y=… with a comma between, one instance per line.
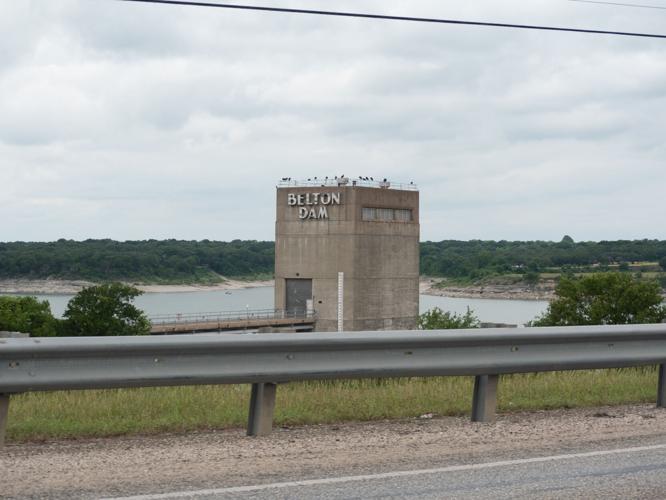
x=661, y=386
x=262, y=404
x=4, y=411
x=484, y=401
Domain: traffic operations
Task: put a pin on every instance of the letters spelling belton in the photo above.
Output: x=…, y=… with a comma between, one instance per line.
x=313, y=205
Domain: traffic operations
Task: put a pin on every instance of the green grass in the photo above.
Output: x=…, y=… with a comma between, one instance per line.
x=72, y=414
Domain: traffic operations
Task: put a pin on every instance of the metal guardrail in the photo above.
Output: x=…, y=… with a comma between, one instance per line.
x=219, y=316
x=44, y=364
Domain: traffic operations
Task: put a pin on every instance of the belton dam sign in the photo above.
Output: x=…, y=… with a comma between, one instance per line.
x=313, y=205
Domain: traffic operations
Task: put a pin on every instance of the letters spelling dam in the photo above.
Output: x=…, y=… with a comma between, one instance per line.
x=306, y=204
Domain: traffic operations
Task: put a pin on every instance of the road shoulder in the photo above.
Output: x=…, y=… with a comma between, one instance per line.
x=213, y=459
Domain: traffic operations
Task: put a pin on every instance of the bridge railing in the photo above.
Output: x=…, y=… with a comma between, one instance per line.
x=222, y=316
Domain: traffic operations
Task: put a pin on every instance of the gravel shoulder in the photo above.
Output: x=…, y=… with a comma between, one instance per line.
x=213, y=459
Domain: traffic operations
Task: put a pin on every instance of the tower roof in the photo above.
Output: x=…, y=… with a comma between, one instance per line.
x=347, y=181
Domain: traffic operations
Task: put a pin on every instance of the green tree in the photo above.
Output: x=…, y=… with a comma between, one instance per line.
x=662, y=263
x=27, y=315
x=436, y=319
x=105, y=310
x=604, y=299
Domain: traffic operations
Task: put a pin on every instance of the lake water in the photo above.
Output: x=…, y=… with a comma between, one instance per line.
x=487, y=310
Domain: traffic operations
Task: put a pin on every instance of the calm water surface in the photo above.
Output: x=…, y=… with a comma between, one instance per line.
x=489, y=310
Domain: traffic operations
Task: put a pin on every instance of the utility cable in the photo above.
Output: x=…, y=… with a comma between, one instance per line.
x=396, y=18
x=620, y=4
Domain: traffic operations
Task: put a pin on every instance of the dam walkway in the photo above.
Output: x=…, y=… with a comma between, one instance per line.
x=232, y=320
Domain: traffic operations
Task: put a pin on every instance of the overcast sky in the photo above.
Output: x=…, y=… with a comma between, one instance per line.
x=133, y=121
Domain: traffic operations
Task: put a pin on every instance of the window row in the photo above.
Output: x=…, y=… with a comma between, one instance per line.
x=387, y=214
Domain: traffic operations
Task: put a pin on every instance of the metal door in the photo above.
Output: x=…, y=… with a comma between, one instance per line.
x=299, y=291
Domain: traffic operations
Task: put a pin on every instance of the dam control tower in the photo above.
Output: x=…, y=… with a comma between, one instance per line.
x=349, y=250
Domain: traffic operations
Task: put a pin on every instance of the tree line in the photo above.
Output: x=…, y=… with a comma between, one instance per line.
x=201, y=261
x=476, y=258
x=142, y=261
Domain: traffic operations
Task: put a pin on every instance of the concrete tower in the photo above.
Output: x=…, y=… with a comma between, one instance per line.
x=359, y=237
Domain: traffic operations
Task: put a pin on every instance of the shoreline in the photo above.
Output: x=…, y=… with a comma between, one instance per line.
x=541, y=292
x=426, y=287
x=495, y=295
x=69, y=287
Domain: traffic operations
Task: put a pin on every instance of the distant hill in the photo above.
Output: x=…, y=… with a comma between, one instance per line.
x=476, y=258
x=176, y=261
x=167, y=261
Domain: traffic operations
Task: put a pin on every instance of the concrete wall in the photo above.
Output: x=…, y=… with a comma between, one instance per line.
x=380, y=259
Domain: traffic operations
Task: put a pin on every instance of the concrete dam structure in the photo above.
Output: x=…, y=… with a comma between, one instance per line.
x=349, y=251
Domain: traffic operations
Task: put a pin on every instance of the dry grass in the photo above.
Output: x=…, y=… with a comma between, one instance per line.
x=73, y=414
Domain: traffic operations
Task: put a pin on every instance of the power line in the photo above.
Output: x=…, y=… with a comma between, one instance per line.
x=395, y=18
x=621, y=4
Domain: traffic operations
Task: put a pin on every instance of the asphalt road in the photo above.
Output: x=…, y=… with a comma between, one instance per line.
x=610, y=452
x=636, y=472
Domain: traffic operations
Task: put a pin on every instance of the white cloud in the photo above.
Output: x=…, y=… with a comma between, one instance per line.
x=135, y=121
